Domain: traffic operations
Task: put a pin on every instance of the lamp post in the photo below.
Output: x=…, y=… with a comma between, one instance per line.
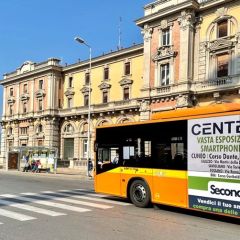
x=82, y=41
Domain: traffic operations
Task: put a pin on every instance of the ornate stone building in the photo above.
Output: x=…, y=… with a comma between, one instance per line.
x=191, y=53
x=46, y=104
x=190, y=56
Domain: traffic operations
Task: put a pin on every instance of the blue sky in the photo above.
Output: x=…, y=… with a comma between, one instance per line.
x=36, y=30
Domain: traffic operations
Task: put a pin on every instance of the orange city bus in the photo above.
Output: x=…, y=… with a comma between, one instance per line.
x=187, y=158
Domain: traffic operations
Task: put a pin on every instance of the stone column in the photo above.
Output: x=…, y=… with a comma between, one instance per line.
x=147, y=35
x=31, y=133
x=52, y=132
x=145, y=110
x=186, y=22
x=49, y=92
x=4, y=101
x=3, y=157
x=197, y=58
x=32, y=96
x=16, y=131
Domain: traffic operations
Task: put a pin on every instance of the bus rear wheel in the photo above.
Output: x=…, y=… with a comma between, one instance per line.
x=140, y=194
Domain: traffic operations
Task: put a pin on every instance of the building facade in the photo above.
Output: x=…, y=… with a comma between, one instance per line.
x=190, y=56
x=46, y=104
x=191, y=53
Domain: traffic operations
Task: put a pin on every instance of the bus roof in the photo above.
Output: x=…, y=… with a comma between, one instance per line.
x=197, y=111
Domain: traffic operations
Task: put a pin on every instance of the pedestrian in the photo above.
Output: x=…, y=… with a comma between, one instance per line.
x=26, y=163
x=36, y=166
x=90, y=168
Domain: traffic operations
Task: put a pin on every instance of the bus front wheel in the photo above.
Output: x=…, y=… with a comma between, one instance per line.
x=140, y=193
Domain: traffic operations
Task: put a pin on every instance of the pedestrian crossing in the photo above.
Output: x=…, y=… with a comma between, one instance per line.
x=52, y=204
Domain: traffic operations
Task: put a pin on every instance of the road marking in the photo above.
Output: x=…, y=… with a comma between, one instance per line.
x=14, y=215
x=48, y=203
x=95, y=198
x=99, y=199
x=31, y=208
x=85, y=192
x=64, y=199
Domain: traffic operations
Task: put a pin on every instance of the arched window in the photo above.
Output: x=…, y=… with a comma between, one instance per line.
x=222, y=28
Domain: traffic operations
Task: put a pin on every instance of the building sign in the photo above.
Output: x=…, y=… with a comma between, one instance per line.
x=214, y=164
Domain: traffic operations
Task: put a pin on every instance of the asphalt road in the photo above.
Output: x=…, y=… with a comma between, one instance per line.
x=78, y=213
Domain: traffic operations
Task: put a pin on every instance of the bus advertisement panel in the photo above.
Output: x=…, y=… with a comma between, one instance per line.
x=214, y=164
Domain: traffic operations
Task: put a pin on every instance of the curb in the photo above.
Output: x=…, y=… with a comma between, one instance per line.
x=68, y=175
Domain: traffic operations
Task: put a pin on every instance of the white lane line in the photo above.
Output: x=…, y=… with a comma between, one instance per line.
x=85, y=193
x=1, y=223
x=62, y=197
x=95, y=198
x=48, y=203
x=14, y=215
x=31, y=208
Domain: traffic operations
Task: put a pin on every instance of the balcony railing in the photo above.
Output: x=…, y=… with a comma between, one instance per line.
x=98, y=108
x=224, y=83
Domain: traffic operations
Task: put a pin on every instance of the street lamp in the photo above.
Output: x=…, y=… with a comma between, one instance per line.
x=82, y=41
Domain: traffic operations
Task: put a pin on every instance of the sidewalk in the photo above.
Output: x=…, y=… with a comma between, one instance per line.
x=65, y=173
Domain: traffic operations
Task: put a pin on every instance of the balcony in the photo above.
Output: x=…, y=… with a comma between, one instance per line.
x=101, y=108
x=219, y=84
x=10, y=99
x=173, y=89
x=24, y=97
x=40, y=93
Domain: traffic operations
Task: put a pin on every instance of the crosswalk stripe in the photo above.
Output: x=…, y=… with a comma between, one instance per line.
x=14, y=215
x=94, y=199
x=31, y=208
x=1, y=223
x=63, y=199
x=48, y=203
x=85, y=193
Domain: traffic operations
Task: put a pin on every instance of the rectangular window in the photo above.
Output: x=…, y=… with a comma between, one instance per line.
x=127, y=68
x=70, y=102
x=11, y=110
x=25, y=88
x=105, y=97
x=222, y=29
x=70, y=82
x=106, y=73
x=68, y=148
x=40, y=105
x=86, y=100
x=84, y=148
x=59, y=103
x=23, y=130
x=164, y=74
x=10, y=144
x=126, y=93
x=11, y=92
x=24, y=107
x=166, y=37
x=40, y=143
x=40, y=84
x=87, y=78
x=222, y=65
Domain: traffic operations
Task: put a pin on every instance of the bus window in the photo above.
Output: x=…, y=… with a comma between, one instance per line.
x=137, y=154
x=107, y=158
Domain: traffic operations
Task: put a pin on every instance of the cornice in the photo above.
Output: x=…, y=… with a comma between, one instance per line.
x=106, y=57
x=191, y=4
x=30, y=74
